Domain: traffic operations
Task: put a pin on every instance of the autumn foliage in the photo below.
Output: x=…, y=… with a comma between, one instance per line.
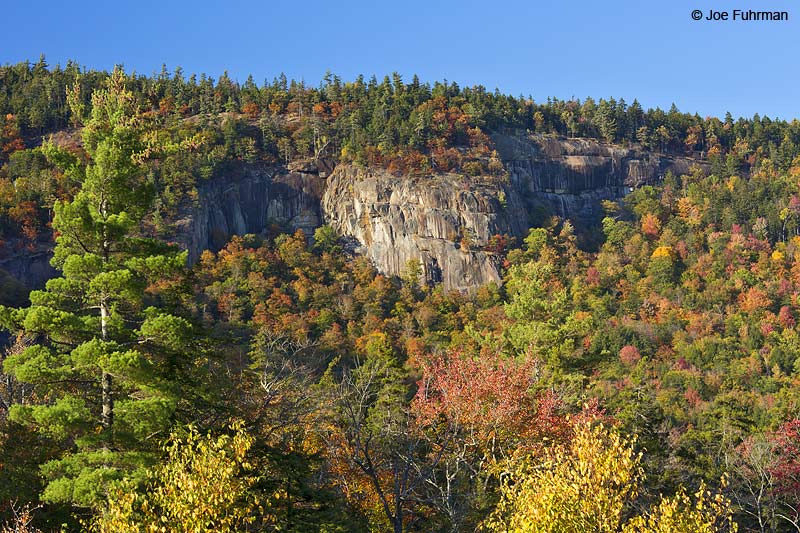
x=490, y=395
x=591, y=484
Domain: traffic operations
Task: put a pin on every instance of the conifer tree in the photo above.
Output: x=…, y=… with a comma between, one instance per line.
x=106, y=361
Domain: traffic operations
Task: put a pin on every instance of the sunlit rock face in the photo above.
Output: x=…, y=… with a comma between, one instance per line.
x=445, y=222
x=393, y=219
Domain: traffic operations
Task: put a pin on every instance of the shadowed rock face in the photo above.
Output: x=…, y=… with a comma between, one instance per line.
x=572, y=176
x=31, y=268
x=569, y=166
x=443, y=221
x=247, y=200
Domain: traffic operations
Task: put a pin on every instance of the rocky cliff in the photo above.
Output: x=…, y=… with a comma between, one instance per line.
x=570, y=177
x=30, y=268
x=444, y=221
x=247, y=199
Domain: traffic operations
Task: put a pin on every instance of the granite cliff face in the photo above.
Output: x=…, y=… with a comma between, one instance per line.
x=444, y=221
x=570, y=177
x=247, y=200
x=394, y=219
x=31, y=268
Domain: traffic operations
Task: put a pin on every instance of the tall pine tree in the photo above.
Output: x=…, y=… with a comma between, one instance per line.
x=108, y=365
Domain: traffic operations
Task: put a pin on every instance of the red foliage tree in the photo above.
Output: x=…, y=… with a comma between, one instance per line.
x=786, y=468
x=629, y=355
x=491, y=395
x=10, y=137
x=25, y=215
x=651, y=225
x=785, y=317
x=251, y=109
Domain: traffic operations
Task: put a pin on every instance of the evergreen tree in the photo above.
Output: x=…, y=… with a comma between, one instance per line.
x=606, y=120
x=105, y=361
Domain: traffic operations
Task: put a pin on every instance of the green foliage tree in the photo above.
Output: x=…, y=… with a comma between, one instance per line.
x=107, y=361
x=326, y=239
x=606, y=121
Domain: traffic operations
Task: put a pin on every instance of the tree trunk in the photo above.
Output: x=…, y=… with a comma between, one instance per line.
x=398, y=515
x=108, y=400
x=105, y=380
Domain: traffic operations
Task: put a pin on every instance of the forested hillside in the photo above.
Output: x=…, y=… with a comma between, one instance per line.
x=646, y=384
x=408, y=128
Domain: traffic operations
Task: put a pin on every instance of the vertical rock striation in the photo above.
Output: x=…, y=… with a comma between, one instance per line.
x=431, y=218
x=444, y=221
x=570, y=177
x=247, y=200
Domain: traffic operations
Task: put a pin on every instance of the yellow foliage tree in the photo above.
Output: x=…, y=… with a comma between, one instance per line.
x=590, y=485
x=663, y=251
x=202, y=487
x=705, y=513
x=582, y=487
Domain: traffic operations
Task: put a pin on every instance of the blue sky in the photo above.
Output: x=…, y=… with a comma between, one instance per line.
x=652, y=51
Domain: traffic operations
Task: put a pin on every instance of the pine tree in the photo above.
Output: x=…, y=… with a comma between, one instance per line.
x=105, y=361
x=606, y=120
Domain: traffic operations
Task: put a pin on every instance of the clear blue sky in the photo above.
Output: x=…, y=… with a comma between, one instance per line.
x=652, y=51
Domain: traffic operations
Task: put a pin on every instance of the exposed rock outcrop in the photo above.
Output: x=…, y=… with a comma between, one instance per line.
x=569, y=166
x=443, y=221
x=30, y=267
x=394, y=219
x=248, y=199
x=571, y=176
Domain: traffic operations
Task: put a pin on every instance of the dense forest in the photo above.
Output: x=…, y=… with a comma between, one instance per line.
x=409, y=128
x=283, y=384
